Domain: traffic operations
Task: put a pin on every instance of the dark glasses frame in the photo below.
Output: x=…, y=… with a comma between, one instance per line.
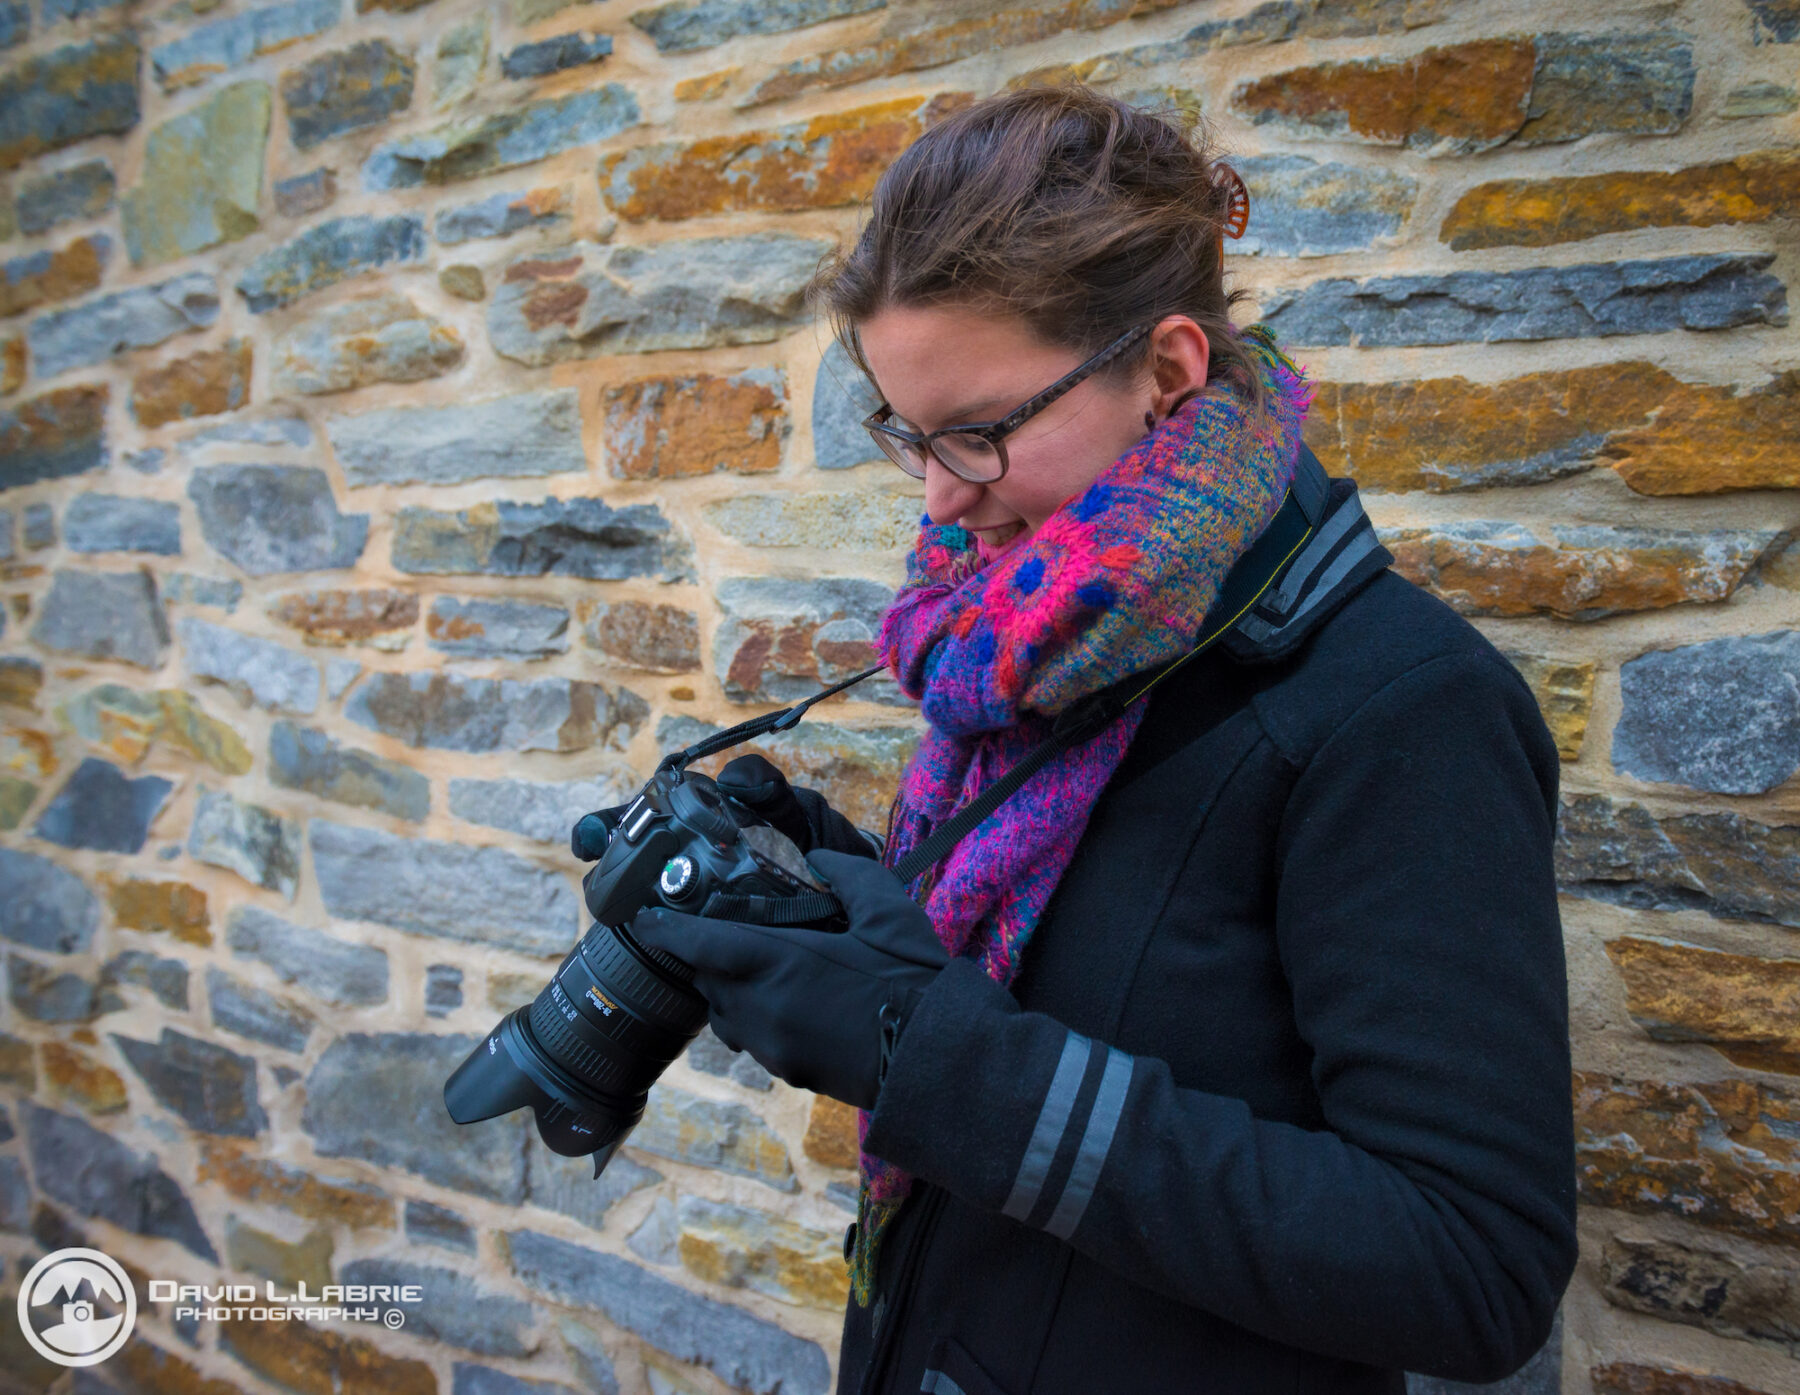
x=891, y=439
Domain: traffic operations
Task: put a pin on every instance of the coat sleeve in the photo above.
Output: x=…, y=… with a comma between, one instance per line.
x=1431, y=1225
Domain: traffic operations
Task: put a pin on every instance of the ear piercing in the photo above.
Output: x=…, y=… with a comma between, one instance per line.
x=1149, y=422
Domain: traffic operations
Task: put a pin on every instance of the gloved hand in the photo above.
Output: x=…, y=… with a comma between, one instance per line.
x=807, y=1003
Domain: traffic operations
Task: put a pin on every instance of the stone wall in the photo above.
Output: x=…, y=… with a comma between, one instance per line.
x=411, y=429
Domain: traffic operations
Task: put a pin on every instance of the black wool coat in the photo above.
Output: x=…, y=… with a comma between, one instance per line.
x=1279, y=1101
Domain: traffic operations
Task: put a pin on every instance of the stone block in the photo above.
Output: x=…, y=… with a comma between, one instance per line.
x=1564, y=690
x=653, y=637
x=336, y=971
x=1633, y=84
x=40, y=526
x=831, y=1134
x=455, y=1308
x=536, y=433
x=568, y=1185
x=244, y=1174
x=16, y=799
x=708, y=1054
x=355, y=87
x=582, y=537
x=328, y=253
x=69, y=195
x=78, y=1079
x=842, y=397
x=555, y=55
x=167, y=979
x=1760, y=98
x=541, y=811
x=161, y=908
x=306, y=193
x=828, y=161
x=443, y=989
x=202, y=178
x=592, y=299
x=15, y=26
x=461, y=55
x=1704, y=439
x=115, y=523
x=478, y=628
x=1722, y=716
x=696, y=424
x=379, y=1098
x=247, y=1011
x=257, y=670
x=104, y=615
x=275, y=518
x=457, y=713
x=781, y=640
x=58, y=98
x=94, y=1174
x=1773, y=21
x=49, y=274
x=1303, y=208
x=451, y=890
x=1745, y=1006
x=1567, y=302
x=100, y=807
x=45, y=995
x=741, y=1247
x=856, y=768
x=288, y=431
x=225, y=44
x=287, y=1263
x=464, y=282
x=862, y=520
x=1702, y=1287
x=745, y=1352
x=319, y=1361
x=501, y=215
x=46, y=906
x=304, y=759
x=12, y=363
x=127, y=722
x=712, y=1133
x=654, y=1239
x=258, y=844
x=211, y=1087
x=687, y=25
x=1576, y=572
x=479, y=145
x=97, y=330
x=430, y=1224
x=469, y=1379
x=202, y=385
x=379, y=616
x=1717, y=1154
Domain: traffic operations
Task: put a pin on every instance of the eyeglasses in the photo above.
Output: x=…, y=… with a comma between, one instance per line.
x=975, y=452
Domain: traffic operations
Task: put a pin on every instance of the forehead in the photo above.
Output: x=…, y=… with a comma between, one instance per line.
x=940, y=364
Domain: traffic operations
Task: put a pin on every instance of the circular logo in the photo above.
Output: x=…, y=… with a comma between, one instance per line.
x=93, y=1297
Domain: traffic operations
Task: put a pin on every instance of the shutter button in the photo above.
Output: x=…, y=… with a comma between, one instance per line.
x=849, y=1240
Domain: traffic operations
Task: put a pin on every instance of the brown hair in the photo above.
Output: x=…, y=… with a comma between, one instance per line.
x=1078, y=213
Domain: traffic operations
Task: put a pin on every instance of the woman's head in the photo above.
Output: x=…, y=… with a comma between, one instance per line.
x=1012, y=242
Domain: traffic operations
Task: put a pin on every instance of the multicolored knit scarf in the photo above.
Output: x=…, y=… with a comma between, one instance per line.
x=1116, y=581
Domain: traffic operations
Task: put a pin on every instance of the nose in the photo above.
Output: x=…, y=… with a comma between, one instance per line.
x=948, y=498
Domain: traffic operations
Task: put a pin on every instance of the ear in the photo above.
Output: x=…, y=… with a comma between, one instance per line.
x=1179, y=357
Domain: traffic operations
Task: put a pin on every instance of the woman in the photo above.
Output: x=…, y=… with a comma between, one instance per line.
x=1229, y=1054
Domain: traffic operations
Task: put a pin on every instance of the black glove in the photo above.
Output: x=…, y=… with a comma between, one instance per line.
x=807, y=1004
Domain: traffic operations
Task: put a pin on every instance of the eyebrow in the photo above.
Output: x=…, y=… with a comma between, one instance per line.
x=969, y=410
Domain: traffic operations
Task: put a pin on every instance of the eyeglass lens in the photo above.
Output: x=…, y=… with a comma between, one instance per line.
x=965, y=455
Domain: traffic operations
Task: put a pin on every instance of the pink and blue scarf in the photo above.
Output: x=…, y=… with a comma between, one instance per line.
x=1116, y=581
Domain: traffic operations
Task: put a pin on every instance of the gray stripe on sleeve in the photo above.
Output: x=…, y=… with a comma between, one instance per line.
x=937, y=1383
x=1051, y=1120
x=1091, y=1155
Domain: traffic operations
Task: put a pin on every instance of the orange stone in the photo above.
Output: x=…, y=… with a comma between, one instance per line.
x=1746, y=1006
x=21, y=680
x=831, y=1133
x=706, y=86
x=313, y=1361
x=42, y=279
x=83, y=1081
x=1630, y=1378
x=60, y=423
x=1541, y=212
x=166, y=908
x=235, y=1167
x=147, y=1369
x=1706, y=440
x=17, y=1065
x=1564, y=689
x=381, y=617
x=202, y=385
x=669, y=428
x=12, y=363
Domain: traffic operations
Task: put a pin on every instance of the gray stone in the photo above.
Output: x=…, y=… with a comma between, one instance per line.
x=568, y=1185
x=545, y=812
x=15, y=1195
x=1641, y=84
x=1755, y=99
x=45, y=995
x=202, y=177
x=148, y=461
x=337, y=971
x=1303, y=208
x=1702, y=1287
x=211, y=1087
x=1775, y=21
x=96, y=330
x=554, y=54
x=65, y=196
x=288, y=430
x=443, y=989
x=331, y=252
x=100, y=807
x=114, y=523
x=167, y=979
x=67, y=95
x=452, y=890
x=454, y=1308
x=687, y=25
x=593, y=299
x=45, y=906
x=187, y=588
x=745, y=1352
x=1566, y=302
x=707, y=1053
x=305, y=193
x=461, y=53
x=379, y=1097
x=469, y=1379
x=257, y=670
x=275, y=518
x=359, y=86
x=250, y=1012
x=844, y=1195
x=39, y=526
x=657, y=1236
x=781, y=640
x=866, y=520
x=842, y=397
x=712, y=1133
x=60, y=10
x=104, y=615
x=15, y=28
x=229, y=43
x=1722, y=716
x=501, y=215
x=256, y=843
x=7, y=550
x=582, y=537
x=61, y=433
x=588, y=1355
x=485, y=144
x=456, y=713
x=477, y=628
x=304, y=759
x=533, y=433
x=430, y=1224
x=377, y=338
x=94, y=1174
x=339, y=675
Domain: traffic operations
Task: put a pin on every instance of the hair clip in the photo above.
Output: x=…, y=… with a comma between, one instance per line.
x=1237, y=201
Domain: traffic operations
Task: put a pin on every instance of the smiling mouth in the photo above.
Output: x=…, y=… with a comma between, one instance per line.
x=991, y=542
